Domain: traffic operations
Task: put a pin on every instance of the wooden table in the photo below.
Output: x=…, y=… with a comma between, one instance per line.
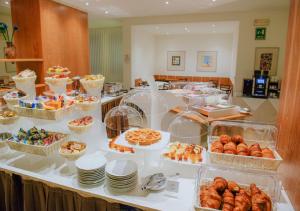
x=209, y=120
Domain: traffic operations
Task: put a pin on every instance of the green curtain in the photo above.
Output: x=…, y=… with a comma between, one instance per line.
x=106, y=53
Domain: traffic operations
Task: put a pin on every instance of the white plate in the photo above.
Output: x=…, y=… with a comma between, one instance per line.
x=90, y=162
x=121, y=168
x=126, y=182
x=123, y=186
x=91, y=183
x=98, y=171
x=118, y=178
x=120, y=190
x=165, y=139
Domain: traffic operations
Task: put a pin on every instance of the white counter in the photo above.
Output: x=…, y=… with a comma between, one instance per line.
x=53, y=170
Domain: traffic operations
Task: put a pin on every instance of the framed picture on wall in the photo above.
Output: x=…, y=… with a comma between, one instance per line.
x=176, y=60
x=207, y=61
x=266, y=59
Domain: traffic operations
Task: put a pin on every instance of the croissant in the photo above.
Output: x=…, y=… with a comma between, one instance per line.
x=267, y=153
x=242, y=201
x=242, y=149
x=210, y=198
x=219, y=184
x=230, y=148
x=237, y=139
x=260, y=200
x=255, y=150
x=225, y=139
x=217, y=146
x=228, y=201
x=233, y=187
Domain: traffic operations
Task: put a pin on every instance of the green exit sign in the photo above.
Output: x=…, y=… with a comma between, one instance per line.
x=260, y=33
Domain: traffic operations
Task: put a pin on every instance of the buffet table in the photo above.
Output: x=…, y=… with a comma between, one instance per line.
x=45, y=180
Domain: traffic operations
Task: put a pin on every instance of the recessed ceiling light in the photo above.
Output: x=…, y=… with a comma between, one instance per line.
x=214, y=0
x=106, y=12
x=167, y=2
x=86, y=3
x=6, y=2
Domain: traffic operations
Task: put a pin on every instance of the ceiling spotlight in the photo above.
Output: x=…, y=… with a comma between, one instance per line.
x=86, y=3
x=167, y=2
x=6, y=2
x=106, y=12
x=213, y=0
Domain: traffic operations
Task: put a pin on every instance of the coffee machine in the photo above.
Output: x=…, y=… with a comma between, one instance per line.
x=260, y=84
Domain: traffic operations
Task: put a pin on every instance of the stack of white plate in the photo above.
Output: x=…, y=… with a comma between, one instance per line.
x=91, y=169
x=121, y=175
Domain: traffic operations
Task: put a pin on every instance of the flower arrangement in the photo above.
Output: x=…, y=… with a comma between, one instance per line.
x=10, y=50
x=5, y=34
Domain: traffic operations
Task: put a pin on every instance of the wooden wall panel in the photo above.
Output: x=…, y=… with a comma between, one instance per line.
x=289, y=112
x=28, y=39
x=54, y=32
x=65, y=37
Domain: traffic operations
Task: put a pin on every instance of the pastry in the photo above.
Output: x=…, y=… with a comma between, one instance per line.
x=58, y=70
x=72, y=147
x=267, y=153
x=224, y=139
x=142, y=137
x=210, y=198
x=230, y=148
x=120, y=148
x=219, y=184
x=233, y=187
x=255, y=150
x=237, y=139
x=93, y=77
x=242, y=149
x=260, y=201
x=228, y=201
x=242, y=201
x=217, y=146
x=82, y=121
x=7, y=114
x=184, y=152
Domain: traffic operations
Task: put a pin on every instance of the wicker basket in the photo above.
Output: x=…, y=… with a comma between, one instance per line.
x=2, y=144
x=9, y=120
x=14, y=101
x=245, y=161
x=74, y=156
x=87, y=106
x=42, y=113
x=80, y=129
x=38, y=150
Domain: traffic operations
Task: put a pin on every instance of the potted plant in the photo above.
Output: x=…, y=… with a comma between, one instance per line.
x=10, y=49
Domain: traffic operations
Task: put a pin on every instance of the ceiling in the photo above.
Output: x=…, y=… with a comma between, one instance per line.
x=138, y=8
x=224, y=27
